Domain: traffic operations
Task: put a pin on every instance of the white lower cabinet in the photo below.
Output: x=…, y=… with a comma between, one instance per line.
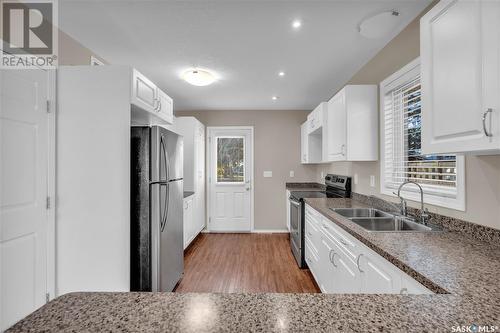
x=287, y=194
x=342, y=264
x=189, y=227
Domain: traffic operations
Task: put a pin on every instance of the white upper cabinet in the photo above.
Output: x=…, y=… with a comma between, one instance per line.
x=335, y=138
x=351, y=130
x=303, y=143
x=315, y=118
x=460, y=64
x=150, y=105
x=165, y=107
x=144, y=92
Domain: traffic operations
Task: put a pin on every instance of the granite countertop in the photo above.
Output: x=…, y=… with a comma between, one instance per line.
x=463, y=271
x=188, y=194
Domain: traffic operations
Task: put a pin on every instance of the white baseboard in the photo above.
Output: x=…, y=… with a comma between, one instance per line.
x=257, y=231
x=270, y=231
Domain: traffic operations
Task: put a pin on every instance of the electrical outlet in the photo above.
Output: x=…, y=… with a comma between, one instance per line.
x=355, y=179
x=292, y=174
x=372, y=181
x=268, y=174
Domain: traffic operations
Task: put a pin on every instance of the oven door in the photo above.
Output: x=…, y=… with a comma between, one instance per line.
x=296, y=229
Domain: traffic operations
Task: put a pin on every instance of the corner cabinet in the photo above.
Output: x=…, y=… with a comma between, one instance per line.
x=342, y=264
x=460, y=65
x=150, y=105
x=351, y=130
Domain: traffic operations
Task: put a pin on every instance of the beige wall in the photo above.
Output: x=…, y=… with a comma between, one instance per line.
x=276, y=148
x=482, y=173
x=72, y=53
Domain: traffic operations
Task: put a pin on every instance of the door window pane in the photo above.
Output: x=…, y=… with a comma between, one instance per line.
x=230, y=160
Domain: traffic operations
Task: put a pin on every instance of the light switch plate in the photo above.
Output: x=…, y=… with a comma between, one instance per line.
x=355, y=179
x=268, y=174
x=372, y=181
x=292, y=174
x=322, y=175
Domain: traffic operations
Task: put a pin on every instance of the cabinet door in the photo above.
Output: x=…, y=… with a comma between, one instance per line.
x=459, y=65
x=304, y=142
x=336, y=127
x=144, y=92
x=188, y=222
x=287, y=196
x=377, y=276
x=412, y=287
x=200, y=175
x=165, y=107
x=339, y=274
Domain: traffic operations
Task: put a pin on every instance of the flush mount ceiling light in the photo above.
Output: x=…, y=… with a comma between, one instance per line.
x=275, y=98
x=296, y=24
x=199, y=77
x=281, y=73
x=379, y=25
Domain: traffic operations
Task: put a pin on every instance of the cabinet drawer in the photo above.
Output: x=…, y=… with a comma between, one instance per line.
x=351, y=249
x=313, y=214
x=312, y=231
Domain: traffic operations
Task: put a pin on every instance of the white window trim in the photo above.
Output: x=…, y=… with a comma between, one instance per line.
x=411, y=192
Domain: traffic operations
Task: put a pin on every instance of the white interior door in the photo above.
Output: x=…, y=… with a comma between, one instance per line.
x=230, y=166
x=24, y=218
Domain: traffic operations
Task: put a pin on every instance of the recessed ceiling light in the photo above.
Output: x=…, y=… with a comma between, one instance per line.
x=296, y=24
x=199, y=77
x=281, y=73
x=275, y=98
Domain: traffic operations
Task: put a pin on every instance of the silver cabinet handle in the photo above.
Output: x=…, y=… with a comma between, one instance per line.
x=331, y=256
x=342, y=150
x=357, y=263
x=309, y=233
x=404, y=291
x=485, y=114
x=159, y=105
x=343, y=241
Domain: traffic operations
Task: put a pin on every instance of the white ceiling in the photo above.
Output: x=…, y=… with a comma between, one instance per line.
x=246, y=42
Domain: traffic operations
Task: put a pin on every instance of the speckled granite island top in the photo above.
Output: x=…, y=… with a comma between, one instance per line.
x=465, y=271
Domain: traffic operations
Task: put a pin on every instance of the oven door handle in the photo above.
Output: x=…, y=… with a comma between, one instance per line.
x=295, y=203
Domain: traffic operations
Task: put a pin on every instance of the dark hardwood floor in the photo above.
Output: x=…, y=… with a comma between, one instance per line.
x=230, y=263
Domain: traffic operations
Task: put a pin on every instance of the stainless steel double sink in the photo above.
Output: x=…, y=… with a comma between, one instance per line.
x=374, y=220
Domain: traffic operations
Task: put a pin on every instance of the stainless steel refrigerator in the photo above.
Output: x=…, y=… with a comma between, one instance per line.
x=157, y=258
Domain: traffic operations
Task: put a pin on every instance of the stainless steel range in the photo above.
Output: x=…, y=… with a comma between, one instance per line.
x=336, y=187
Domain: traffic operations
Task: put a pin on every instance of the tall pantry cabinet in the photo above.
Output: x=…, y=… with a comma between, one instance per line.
x=194, y=173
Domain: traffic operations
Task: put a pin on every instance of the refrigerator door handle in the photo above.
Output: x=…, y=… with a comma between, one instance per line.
x=165, y=212
x=165, y=158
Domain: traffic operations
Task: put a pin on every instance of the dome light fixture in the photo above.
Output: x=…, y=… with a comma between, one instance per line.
x=296, y=24
x=379, y=25
x=199, y=77
x=275, y=98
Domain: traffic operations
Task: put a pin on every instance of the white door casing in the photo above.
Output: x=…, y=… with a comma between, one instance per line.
x=230, y=198
x=27, y=167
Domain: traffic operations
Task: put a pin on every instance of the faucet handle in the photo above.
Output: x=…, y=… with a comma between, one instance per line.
x=425, y=217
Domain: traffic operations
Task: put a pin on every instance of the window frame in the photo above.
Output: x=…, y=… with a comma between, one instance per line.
x=406, y=74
